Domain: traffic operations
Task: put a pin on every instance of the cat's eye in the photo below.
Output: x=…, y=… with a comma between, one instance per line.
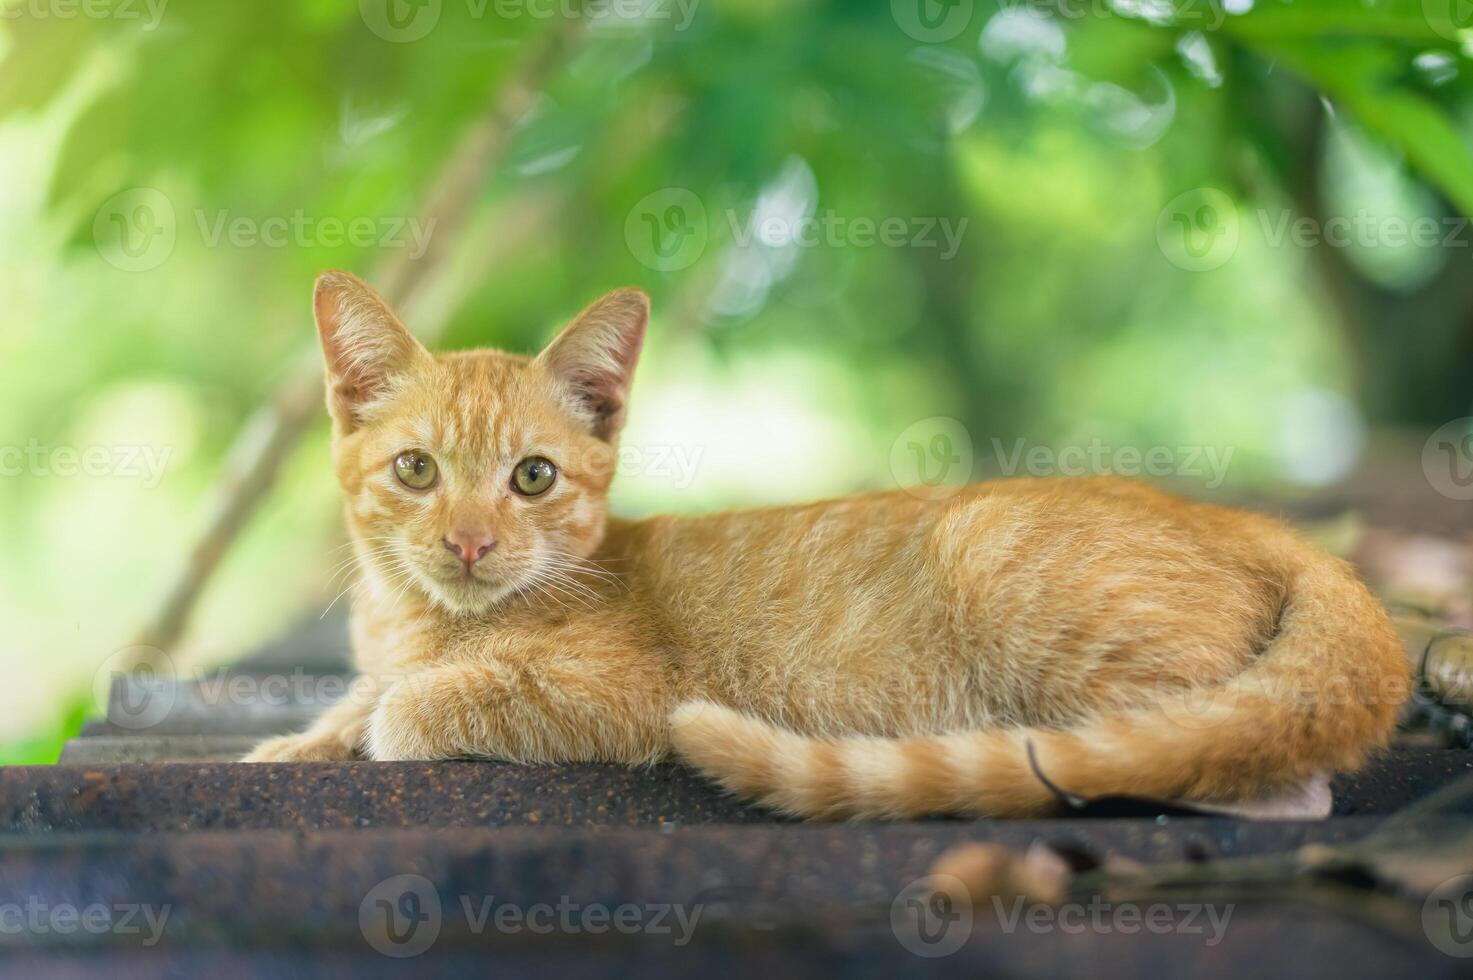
x=533, y=475
x=416, y=470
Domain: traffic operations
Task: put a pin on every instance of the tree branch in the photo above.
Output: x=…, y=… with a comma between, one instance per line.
x=270, y=436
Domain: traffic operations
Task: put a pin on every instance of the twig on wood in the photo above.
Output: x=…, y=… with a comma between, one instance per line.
x=268, y=438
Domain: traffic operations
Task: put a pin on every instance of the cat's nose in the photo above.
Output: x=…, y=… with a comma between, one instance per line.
x=470, y=546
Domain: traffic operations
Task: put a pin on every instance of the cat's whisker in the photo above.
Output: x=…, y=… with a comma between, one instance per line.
x=581, y=559
x=532, y=586
x=553, y=567
x=580, y=570
x=578, y=601
x=573, y=585
x=363, y=540
x=550, y=590
x=573, y=563
x=370, y=553
x=587, y=567
x=382, y=549
x=547, y=582
x=355, y=564
x=355, y=585
x=393, y=573
x=345, y=591
x=336, y=598
x=345, y=568
x=544, y=593
x=560, y=568
x=571, y=589
x=409, y=581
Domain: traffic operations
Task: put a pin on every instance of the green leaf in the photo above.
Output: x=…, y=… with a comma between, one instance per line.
x=1369, y=80
x=1406, y=20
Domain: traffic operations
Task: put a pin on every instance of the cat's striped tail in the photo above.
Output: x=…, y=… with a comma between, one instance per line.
x=1324, y=693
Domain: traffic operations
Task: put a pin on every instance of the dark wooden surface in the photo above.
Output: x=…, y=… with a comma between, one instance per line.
x=271, y=870
x=796, y=901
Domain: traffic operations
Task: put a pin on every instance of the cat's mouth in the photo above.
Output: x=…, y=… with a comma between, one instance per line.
x=453, y=586
x=468, y=591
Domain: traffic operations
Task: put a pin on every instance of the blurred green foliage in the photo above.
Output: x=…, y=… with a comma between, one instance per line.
x=1055, y=135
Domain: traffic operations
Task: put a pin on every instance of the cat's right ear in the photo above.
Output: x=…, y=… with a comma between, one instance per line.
x=367, y=350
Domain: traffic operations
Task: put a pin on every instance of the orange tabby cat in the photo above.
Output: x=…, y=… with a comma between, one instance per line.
x=882, y=655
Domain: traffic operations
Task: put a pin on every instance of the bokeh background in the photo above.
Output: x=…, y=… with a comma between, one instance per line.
x=887, y=243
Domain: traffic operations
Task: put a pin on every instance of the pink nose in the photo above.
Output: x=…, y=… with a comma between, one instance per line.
x=470, y=546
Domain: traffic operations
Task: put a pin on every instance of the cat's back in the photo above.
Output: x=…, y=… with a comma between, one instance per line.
x=907, y=562
x=851, y=530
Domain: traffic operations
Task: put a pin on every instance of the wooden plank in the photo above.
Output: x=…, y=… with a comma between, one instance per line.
x=121, y=749
x=227, y=703
x=776, y=902
x=328, y=795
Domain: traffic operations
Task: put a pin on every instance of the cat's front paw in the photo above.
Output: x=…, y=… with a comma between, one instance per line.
x=300, y=748
x=408, y=725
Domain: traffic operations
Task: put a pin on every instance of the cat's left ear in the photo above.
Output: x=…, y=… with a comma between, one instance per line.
x=594, y=358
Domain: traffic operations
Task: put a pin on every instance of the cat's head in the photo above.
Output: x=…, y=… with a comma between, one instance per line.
x=470, y=477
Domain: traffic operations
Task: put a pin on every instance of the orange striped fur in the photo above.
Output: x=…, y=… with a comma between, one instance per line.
x=882, y=655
